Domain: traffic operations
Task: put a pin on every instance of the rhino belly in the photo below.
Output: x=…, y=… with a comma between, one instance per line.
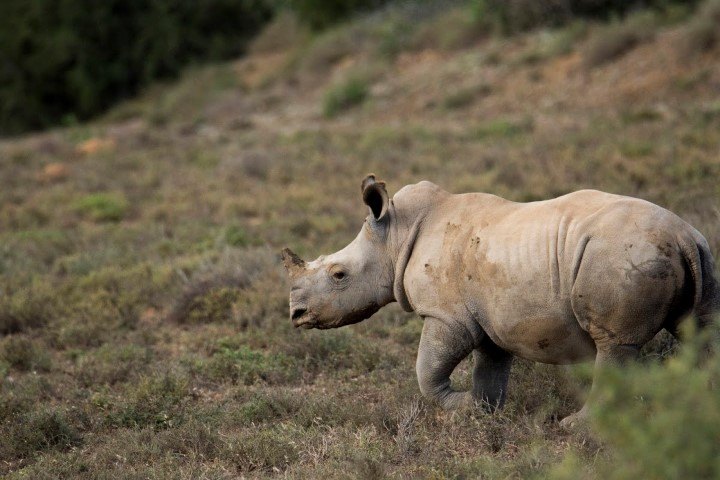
x=547, y=337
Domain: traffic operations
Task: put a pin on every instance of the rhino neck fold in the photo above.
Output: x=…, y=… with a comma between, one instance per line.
x=401, y=263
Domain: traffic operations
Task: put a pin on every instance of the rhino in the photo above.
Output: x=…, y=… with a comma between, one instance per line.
x=582, y=276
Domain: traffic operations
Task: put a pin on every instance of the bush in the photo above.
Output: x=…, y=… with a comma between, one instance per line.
x=503, y=129
x=153, y=401
x=464, y=97
x=620, y=38
x=211, y=291
x=267, y=450
x=71, y=60
x=22, y=395
x=518, y=15
x=37, y=431
x=111, y=364
x=660, y=420
x=26, y=308
x=24, y=354
x=337, y=351
x=319, y=14
x=345, y=95
x=102, y=207
x=663, y=421
x=243, y=365
x=703, y=32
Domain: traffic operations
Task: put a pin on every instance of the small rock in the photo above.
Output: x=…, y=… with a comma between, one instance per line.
x=53, y=172
x=95, y=145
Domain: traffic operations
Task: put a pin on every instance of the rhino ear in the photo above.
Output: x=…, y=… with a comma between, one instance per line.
x=375, y=196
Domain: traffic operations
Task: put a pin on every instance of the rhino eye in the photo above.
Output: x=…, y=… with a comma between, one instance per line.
x=339, y=275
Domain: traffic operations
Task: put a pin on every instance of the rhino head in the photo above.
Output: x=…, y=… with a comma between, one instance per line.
x=350, y=285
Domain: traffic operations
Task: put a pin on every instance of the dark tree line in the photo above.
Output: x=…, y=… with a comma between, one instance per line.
x=77, y=57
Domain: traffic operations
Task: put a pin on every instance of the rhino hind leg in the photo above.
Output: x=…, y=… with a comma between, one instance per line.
x=490, y=374
x=608, y=355
x=622, y=300
x=442, y=347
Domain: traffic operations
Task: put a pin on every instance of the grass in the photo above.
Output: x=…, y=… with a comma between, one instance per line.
x=502, y=129
x=144, y=330
x=465, y=96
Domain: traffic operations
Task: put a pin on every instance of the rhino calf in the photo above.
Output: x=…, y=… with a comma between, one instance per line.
x=588, y=274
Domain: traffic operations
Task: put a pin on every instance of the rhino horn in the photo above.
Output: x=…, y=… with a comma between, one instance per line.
x=293, y=264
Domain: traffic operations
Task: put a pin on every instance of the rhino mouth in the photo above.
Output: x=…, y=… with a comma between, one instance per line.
x=301, y=317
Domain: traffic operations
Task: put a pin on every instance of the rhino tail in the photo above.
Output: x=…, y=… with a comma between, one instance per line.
x=706, y=302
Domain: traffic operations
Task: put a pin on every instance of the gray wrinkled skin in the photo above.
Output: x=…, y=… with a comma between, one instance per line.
x=586, y=275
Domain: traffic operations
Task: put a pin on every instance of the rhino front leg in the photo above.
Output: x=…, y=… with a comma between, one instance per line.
x=491, y=373
x=442, y=347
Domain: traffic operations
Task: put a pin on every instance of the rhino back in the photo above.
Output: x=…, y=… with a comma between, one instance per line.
x=512, y=267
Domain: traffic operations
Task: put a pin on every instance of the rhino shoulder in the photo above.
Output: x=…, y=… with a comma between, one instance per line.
x=418, y=189
x=420, y=194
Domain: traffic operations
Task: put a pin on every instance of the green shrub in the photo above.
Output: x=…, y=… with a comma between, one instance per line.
x=518, y=15
x=241, y=364
x=212, y=290
x=662, y=420
x=319, y=14
x=102, y=207
x=19, y=396
x=37, y=431
x=24, y=354
x=71, y=60
x=266, y=450
x=703, y=32
x=503, y=129
x=235, y=236
x=619, y=38
x=111, y=364
x=551, y=43
x=192, y=439
x=267, y=406
x=153, y=402
x=213, y=306
x=345, y=95
x=463, y=97
x=332, y=46
x=31, y=306
x=338, y=350
x=658, y=420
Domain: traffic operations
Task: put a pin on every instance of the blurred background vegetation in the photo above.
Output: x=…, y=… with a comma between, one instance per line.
x=144, y=330
x=64, y=61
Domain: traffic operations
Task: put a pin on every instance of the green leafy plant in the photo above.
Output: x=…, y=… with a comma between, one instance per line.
x=102, y=207
x=345, y=95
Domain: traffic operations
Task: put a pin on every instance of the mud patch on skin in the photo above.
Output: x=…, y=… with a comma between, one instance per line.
x=543, y=344
x=666, y=249
x=658, y=269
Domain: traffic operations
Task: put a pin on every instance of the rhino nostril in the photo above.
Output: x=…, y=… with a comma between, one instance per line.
x=298, y=312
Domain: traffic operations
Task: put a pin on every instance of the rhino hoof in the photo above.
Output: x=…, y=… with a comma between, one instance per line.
x=574, y=422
